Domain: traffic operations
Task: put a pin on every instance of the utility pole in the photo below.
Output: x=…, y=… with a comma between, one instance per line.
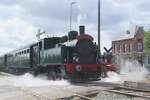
x=39, y=34
x=99, y=34
x=38, y=37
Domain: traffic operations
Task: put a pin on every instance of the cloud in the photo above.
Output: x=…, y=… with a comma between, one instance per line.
x=119, y=15
x=16, y=32
x=20, y=19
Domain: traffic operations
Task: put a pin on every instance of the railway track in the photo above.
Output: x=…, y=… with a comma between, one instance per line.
x=132, y=89
x=89, y=95
x=75, y=96
x=131, y=92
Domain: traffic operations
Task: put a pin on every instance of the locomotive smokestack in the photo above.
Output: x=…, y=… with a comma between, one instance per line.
x=82, y=29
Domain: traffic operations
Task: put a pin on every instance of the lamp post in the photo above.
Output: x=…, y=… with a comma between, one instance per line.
x=72, y=3
x=99, y=34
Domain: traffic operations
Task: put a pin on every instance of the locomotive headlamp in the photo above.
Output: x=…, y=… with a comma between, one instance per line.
x=76, y=59
x=78, y=68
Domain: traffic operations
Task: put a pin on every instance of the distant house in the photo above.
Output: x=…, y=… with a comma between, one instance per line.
x=131, y=41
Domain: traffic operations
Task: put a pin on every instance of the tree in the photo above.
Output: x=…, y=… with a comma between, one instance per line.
x=147, y=41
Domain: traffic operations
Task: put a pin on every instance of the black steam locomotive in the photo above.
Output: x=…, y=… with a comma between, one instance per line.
x=73, y=57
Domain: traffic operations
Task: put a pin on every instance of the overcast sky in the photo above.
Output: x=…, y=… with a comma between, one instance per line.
x=20, y=19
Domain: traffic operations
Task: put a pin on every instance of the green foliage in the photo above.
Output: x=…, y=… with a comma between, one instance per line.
x=147, y=41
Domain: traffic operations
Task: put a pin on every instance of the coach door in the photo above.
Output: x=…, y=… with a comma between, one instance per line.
x=34, y=55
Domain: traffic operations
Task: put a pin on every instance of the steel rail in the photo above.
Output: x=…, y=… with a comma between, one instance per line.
x=132, y=92
x=74, y=94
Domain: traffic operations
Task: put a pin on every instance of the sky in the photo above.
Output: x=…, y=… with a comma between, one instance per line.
x=21, y=19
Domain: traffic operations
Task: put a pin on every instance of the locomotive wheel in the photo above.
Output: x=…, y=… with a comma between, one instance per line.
x=35, y=73
x=53, y=75
x=59, y=76
x=49, y=75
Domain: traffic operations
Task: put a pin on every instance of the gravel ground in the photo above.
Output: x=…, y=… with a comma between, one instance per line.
x=103, y=95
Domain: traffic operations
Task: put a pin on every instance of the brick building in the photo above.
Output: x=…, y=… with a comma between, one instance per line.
x=130, y=42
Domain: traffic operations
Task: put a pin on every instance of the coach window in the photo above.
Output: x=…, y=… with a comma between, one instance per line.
x=24, y=51
x=27, y=50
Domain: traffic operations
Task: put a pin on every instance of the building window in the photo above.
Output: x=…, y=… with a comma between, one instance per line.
x=123, y=47
x=148, y=60
x=126, y=48
x=131, y=48
x=117, y=47
x=116, y=50
x=120, y=48
x=139, y=46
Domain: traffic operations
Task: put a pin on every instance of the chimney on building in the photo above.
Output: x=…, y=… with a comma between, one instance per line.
x=127, y=32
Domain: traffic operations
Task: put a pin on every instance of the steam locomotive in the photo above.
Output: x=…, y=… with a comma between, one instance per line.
x=73, y=57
